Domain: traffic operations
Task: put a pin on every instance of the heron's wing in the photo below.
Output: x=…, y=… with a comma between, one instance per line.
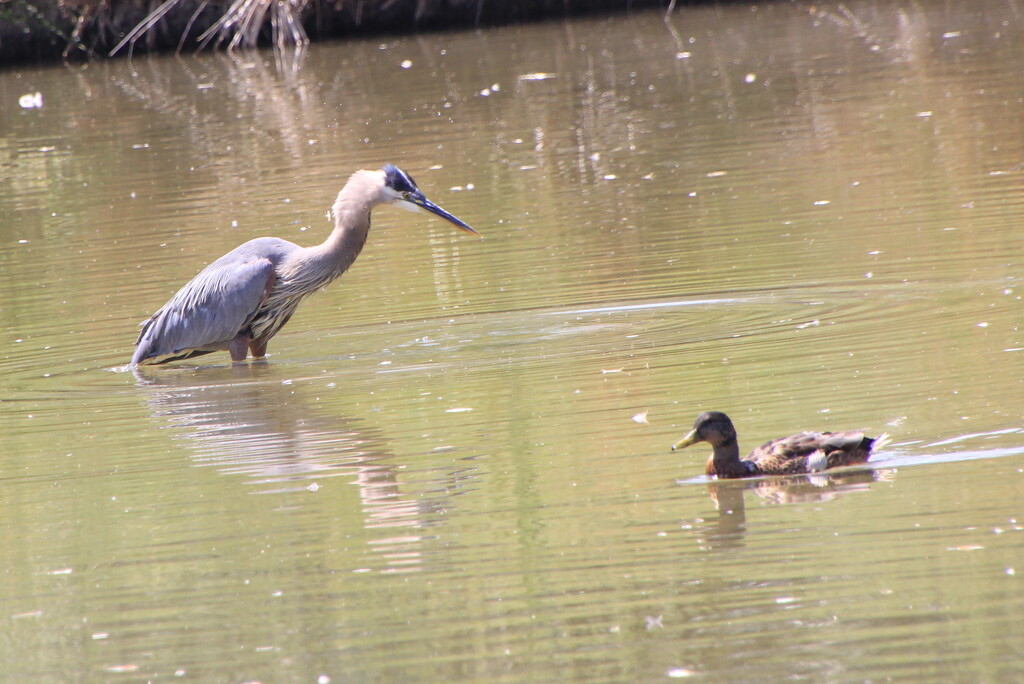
x=208, y=312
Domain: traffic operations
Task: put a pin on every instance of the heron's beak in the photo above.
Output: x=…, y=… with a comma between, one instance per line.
x=415, y=201
x=686, y=441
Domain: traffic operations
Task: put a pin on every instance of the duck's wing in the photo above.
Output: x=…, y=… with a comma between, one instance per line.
x=811, y=452
x=846, y=448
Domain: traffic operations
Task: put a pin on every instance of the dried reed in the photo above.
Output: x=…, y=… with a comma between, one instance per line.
x=241, y=24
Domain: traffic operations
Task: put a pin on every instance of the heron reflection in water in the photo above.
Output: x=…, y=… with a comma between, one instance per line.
x=241, y=300
x=273, y=439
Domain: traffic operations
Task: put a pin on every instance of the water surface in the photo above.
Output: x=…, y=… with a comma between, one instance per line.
x=454, y=464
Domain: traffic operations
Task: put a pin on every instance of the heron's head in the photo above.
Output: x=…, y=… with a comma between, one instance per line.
x=400, y=189
x=713, y=427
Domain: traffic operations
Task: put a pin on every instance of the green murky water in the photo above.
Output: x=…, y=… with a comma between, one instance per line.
x=454, y=465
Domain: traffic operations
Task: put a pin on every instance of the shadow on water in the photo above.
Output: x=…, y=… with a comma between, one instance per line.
x=248, y=423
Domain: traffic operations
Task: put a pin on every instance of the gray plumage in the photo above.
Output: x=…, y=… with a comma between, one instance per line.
x=244, y=298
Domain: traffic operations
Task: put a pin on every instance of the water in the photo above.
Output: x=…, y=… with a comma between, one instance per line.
x=454, y=465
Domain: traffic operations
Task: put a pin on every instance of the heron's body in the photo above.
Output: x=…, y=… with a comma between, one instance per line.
x=807, y=452
x=244, y=298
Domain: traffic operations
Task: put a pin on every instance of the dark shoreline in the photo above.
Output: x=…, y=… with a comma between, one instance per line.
x=87, y=29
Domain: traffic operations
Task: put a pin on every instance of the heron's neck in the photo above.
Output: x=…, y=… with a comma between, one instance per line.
x=351, y=226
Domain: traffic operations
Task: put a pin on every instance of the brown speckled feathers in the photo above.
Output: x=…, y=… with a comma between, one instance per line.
x=807, y=452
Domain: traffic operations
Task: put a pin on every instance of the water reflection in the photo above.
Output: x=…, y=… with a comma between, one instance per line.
x=248, y=423
x=272, y=92
x=729, y=528
x=819, y=487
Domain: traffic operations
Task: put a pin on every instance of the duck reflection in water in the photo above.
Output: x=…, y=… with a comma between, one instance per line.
x=729, y=529
x=248, y=424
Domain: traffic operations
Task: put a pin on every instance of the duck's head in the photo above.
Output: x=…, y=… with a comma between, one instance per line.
x=713, y=427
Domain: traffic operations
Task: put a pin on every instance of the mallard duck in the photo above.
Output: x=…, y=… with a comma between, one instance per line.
x=808, y=452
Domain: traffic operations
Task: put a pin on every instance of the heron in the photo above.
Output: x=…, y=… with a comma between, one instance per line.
x=241, y=300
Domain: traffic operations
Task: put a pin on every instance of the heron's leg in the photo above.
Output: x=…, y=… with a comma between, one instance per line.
x=239, y=348
x=258, y=348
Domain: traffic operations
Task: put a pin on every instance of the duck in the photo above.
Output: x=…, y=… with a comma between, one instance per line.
x=807, y=452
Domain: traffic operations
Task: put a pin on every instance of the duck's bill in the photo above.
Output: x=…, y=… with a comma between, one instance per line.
x=686, y=441
x=419, y=202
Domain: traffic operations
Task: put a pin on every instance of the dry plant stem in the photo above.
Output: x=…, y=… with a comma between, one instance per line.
x=240, y=25
x=145, y=25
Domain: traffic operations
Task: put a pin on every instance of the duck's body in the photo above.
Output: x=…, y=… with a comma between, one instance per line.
x=807, y=452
